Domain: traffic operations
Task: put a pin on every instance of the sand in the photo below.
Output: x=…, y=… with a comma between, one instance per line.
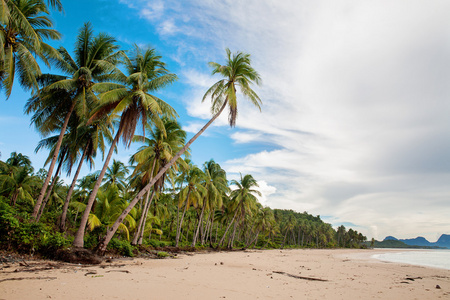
x=269, y=274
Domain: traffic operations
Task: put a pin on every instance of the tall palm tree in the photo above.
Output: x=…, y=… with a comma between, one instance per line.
x=95, y=60
x=191, y=194
x=215, y=182
x=89, y=139
x=243, y=199
x=237, y=73
x=146, y=74
x=24, y=24
x=159, y=148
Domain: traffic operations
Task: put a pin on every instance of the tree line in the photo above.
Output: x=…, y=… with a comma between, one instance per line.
x=100, y=95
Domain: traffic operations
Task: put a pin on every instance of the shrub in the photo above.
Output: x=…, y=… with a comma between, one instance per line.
x=121, y=246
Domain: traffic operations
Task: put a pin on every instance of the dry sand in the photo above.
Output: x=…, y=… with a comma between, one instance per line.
x=270, y=274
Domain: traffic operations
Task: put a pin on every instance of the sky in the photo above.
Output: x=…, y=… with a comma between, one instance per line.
x=355, y=120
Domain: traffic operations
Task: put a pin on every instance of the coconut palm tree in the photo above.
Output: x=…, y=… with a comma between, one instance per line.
x=89, y=139
x=191, y=194
x=159, y=148
x=95, y=60
x=238, y=74
x=109, y=204
x=24, y=24
x=115, y=175
x=146, y=74
x=215, y=183
x=18, y=184
x=243, y=200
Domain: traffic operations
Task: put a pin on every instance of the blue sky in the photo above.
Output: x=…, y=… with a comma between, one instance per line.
x=355, y=118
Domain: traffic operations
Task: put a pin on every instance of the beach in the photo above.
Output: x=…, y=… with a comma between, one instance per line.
x=249, y=274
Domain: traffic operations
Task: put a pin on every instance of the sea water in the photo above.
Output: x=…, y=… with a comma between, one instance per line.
x=438, y=258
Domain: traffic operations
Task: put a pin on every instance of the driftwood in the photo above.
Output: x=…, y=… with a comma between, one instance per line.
x=25, y=278
x=35, y=269
x=123, y=271
x=299, y=277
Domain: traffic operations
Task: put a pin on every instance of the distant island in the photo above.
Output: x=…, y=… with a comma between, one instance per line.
x=418, y=242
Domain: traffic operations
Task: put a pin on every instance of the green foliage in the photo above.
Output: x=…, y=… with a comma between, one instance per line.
x=17, y=232
x=123, y=247
x=162, y=254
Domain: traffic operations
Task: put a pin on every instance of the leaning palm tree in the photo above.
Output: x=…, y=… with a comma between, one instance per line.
x=146, y=74
x=237, y=73
x=23, y=27
x=95, y=60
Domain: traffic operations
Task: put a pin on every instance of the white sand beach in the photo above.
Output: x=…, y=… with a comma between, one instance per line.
x=251, y=274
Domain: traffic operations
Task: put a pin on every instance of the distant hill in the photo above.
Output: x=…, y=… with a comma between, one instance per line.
x=442, y=242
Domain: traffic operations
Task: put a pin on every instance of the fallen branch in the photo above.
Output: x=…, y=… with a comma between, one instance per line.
x=35, y=269
x=24, y=278
x=123, y=271
x=299, y=277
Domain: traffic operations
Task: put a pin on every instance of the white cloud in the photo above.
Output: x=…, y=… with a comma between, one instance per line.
x=355, y=97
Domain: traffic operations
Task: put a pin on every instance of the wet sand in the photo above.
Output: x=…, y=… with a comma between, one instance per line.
x=251, y=274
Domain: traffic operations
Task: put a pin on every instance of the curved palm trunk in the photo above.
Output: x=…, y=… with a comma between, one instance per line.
x=181, y=221
x=62, y=225
x=228, y=228
x=142, y=228
x=231, y=243
x=138, y=229
x=111, y=231
x=52, y=164
x=194, y=240
x=137, y=239
x=50, y=190
x=79, y=236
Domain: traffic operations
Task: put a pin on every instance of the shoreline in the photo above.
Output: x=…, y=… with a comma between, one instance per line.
x=249, y=274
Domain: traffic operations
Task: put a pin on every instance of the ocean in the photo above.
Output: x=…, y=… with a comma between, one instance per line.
x=437, y=258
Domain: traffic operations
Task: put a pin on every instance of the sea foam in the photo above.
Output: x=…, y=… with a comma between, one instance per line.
x=429, y=258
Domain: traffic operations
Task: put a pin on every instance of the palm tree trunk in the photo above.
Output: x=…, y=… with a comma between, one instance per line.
x=79, y=236
x=254, y=240
x=194, y=240
x=112, y=230
x=50, y=190
x=181, y=221
x=142, y=229
x=144, y=212
x=52, y=164
x=207, y=229
x=141, y=220
x=62, y=225
x=228, y=227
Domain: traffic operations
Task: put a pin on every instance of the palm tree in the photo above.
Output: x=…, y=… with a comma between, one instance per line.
x=191, y=194
x=115, y=175
x=95, y=60
x=243, y=199
x=19, y=184
x=238, y=73
x=147, y=74
x=215, y=182
x=158, y=150
x=109, y=204
x=23, y=27
x=89, y=139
